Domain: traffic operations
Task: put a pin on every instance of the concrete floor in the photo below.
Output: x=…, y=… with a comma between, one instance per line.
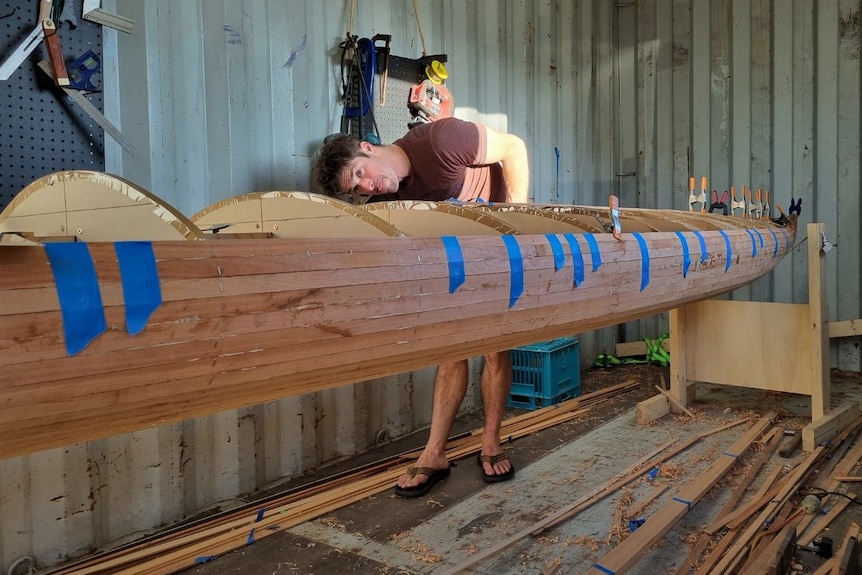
x=388, y=535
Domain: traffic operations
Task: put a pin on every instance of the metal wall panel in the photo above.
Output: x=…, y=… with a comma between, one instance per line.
x=222, y=97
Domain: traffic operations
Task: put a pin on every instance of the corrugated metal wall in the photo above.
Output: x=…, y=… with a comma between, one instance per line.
x=222, y=97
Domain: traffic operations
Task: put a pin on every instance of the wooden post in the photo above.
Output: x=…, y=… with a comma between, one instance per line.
x=817, y=313
x=678, y=367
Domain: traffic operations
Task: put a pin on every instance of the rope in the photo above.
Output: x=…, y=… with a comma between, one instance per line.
x=419, y=25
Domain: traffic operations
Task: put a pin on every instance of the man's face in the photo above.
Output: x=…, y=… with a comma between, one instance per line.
x=369, y=175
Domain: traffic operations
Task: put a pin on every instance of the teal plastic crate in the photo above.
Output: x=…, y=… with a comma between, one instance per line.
x=545, y=373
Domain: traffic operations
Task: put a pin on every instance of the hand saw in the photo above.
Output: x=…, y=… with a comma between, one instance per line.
x=47, y=30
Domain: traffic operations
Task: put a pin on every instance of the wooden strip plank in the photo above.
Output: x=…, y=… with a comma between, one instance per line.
x=770, y=442
x=739, y=550
x=676, y=403
x=632, y=548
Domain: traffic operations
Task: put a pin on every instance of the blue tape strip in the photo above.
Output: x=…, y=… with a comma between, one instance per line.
x=250, y=539
x=686, y=257
x=260, y=513
x=644, y=260
x=78, y=291
x=774, y=237
x=603, y=569
x=595, y=253
x=141, y=289
x=455, y=257
x=577, y=258
x=204, y=559
x=729, y=249
x=557, y=250
x=759, y=235
x=703, y=253
x=516, y=267
x=753, y=243
x=729, y=454
x=683, y=501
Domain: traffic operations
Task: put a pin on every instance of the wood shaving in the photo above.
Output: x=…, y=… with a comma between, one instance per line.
x=590, y=542
x=423, y=553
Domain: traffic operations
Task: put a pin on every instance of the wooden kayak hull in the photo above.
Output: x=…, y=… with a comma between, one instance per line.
x=245, y=321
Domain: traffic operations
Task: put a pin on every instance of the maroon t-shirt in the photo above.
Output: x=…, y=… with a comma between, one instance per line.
x=446, y=162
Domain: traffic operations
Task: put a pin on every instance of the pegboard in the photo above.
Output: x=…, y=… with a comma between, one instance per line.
x=391, y=115
x=41, y=130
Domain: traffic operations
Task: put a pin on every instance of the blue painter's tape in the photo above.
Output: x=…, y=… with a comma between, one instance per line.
x=683, y=501
x=260, y=513
x=250, y=539
x=577, y=258
x=603, y=569
x=455, y=257
x=759, y=235
x=686, y=257
x=729, y=249
x=753, y=243
x=204, y=559
x=703, y=253
x=644, y=260
x=557, y=250
x=516, y=267
x=729, y=454
x=774, y=237
x=141, y=289
x=78, y=292
x=595, y=253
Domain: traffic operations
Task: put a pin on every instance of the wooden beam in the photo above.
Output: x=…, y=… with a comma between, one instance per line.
x=634, y=348
x=651, y=409
x=848, y=328
x=826, y=427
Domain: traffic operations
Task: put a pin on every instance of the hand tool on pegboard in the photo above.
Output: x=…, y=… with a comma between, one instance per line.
x=46, y=30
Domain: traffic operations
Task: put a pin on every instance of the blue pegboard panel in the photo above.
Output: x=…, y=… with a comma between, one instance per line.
x=41, y=130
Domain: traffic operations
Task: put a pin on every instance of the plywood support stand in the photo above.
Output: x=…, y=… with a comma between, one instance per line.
x=769, y=346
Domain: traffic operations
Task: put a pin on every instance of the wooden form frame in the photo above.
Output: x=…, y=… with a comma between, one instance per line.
x=771, y=346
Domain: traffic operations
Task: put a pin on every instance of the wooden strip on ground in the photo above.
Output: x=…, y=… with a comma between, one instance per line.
x=771, y=441
x=739, y=550
x=632, y=548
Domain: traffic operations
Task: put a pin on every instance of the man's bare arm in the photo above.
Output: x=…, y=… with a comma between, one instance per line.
x=511, y=152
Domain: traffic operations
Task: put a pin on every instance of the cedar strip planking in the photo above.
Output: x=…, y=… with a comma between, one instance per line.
x=635, y=545
x=224, y=368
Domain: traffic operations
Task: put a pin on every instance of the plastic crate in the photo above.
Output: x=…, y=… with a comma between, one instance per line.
x=545, y=373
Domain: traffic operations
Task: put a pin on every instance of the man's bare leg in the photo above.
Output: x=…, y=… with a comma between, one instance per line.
x=450, y=387
x=496, y=385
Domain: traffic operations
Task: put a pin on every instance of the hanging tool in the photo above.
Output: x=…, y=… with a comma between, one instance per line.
x=765, y=208
x=358, y=64
x=387, y=38
x=717, y=205
x=737, y=205
x=46, y=30
x=697, y=198
x=81, y=70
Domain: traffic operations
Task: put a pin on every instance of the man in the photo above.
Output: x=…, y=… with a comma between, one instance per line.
x=445, y=159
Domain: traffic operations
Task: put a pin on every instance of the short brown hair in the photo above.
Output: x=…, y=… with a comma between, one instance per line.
x=330, y=161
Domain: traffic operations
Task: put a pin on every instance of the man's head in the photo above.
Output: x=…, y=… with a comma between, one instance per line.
x=345, y=164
